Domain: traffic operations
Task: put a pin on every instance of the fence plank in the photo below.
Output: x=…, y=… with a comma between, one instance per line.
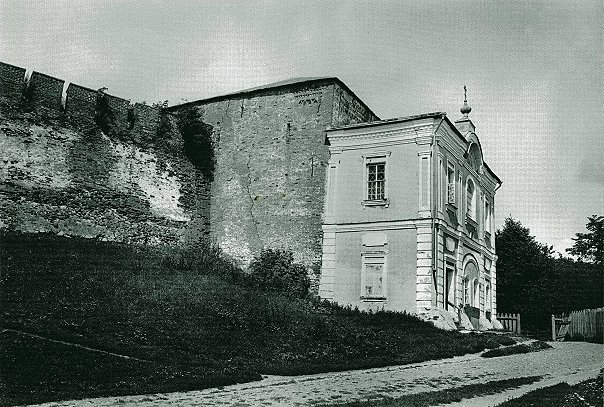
x=510, y=322
x=588, y=324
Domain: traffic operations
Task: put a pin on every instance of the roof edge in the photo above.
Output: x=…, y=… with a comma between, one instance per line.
x=267, y=88
x=388, y=121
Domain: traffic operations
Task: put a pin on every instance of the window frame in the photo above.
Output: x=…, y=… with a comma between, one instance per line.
x=476, y=288
x=472, y=204
x=451, y=186
x=378, y=158
x=488, y=221
x=467, y=301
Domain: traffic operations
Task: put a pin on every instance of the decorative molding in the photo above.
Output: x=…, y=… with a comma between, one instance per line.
x=372, y=226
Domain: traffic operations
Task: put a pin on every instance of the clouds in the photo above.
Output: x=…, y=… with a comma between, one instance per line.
x=534, y=72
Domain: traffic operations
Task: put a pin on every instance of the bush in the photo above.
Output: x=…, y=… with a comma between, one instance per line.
x=275, y=270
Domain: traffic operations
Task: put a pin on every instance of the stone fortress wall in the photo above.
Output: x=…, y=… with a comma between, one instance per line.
x=270, y=164
x=60, y=173
x=245, y=170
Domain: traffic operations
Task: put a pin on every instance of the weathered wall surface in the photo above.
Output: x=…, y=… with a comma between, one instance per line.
x=247, y=170
x=269, y=178
x=11, y=82
x=59, y=172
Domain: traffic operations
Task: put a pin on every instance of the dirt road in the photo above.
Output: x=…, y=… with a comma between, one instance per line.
x=567, y=361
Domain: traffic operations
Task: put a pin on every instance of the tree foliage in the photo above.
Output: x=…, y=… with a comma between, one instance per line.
x=589, y=247
x=530, y=281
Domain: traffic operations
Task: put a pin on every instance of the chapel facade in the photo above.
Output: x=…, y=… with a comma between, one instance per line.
x=408, y=220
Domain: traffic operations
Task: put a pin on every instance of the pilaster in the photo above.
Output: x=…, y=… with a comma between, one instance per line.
x=424, y=267
x=328, y=265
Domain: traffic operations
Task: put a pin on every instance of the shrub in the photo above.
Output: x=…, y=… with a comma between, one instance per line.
x=275, y=270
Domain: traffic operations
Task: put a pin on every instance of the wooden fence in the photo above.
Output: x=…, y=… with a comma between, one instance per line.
x=587, y=324
x=510, y=322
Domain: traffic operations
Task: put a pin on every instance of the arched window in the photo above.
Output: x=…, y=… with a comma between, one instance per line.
x=471, y=199
x=475, y=158
x=487, y=302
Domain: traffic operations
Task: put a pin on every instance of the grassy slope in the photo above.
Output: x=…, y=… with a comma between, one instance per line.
x=196, y=328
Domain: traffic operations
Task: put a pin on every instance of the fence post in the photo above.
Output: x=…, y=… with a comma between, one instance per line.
x=518, y=319
x=553, y=328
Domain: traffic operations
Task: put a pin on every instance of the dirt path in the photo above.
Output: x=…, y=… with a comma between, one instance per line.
x=572, y=361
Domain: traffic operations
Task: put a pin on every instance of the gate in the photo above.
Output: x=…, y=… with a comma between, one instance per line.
x=510, y=322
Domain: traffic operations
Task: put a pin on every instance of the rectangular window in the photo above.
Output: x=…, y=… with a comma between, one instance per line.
x=451, y=185
x=375, y=190
x=376, y=182
x=373, y=277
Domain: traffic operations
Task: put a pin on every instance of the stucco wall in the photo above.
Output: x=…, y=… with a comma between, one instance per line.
x=401, y=270
x=402, y=178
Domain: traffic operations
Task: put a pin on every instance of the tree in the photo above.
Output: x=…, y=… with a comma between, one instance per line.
x=589, y=247
x=530, y=281
x=521, y=267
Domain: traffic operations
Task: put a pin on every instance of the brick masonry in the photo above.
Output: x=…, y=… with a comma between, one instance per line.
x=60, y=173
x=138, y=182
x=271, y=158
x=46, y=91
x=11, y=82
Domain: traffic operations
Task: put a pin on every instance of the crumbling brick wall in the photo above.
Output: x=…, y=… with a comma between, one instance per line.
x=61, y=173
x=248, y=172
x=270, y=165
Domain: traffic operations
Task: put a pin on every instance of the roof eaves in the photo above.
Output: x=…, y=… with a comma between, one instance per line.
x=388, y=121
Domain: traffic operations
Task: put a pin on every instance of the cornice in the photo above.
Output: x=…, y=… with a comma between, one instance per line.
x=379, y=138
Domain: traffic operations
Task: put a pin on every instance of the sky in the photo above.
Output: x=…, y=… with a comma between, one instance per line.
x=534, y=72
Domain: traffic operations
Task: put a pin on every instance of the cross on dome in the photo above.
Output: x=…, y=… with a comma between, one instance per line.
x=465, y=109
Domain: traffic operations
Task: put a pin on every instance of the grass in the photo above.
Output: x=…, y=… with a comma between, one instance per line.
x=193, y=318
x=516, y=349
x=587, y=393
x=34, y=370
x=444, y=396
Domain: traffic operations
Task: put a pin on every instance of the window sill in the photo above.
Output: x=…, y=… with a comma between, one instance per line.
x=452, y=205
x=382, y=202
x=370, y=299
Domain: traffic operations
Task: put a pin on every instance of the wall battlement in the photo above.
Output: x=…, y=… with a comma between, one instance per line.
x=81, y=105
x=46, y=91
x=245, y=170
x=11, y=81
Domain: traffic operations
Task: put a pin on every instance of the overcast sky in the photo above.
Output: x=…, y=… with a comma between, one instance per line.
x=534, y=71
